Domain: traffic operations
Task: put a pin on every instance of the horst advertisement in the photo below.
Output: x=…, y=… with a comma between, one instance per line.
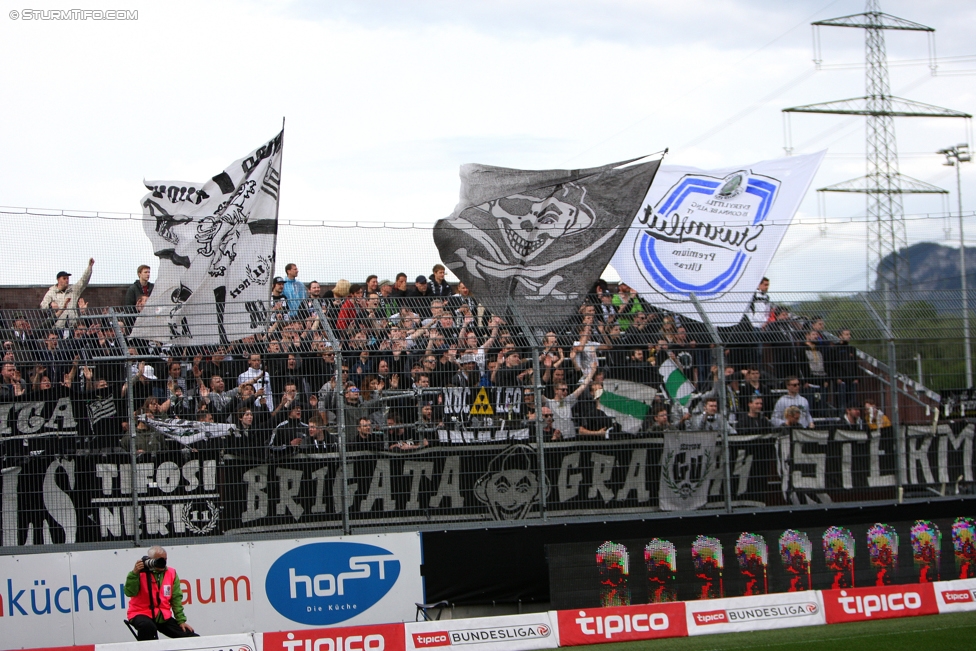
x=49, y=600
x=52, y=498
x=712, y=234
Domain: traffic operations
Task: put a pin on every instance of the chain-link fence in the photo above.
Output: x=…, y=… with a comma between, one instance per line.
x=373, y=407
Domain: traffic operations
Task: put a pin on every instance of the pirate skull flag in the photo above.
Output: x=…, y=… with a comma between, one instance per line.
x=538, y=240
x=216, y=247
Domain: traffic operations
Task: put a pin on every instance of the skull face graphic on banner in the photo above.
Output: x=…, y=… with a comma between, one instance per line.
x=538, y=240
x=510, y=488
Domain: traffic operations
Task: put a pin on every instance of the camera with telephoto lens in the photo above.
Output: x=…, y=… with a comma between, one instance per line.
x=153, y=563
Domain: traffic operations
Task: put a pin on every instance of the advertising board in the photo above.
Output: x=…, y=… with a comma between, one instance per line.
x=352, y=580
x=508, y=633
x=50, y=600
x=621, y=624
x=956, y=596
x=879, y=602
x=786, y=610
x=381, y=637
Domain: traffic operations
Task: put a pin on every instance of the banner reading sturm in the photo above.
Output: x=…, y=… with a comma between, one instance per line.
x=712, y=233
x=216, y=247
x=539, y=239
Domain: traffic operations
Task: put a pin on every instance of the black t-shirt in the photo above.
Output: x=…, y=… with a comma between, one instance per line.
x=753, y=425
x=508, y=376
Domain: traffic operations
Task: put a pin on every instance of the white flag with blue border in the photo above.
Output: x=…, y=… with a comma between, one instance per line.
x=712, y=233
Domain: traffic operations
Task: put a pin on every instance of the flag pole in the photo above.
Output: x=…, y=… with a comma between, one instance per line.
x=281, y=165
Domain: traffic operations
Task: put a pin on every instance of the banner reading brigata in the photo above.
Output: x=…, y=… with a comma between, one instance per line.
x=216, y=247
x=712, y=234
x=50, y=497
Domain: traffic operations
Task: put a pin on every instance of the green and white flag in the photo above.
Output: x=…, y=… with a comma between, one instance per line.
x=675, y=382
x=627, y=403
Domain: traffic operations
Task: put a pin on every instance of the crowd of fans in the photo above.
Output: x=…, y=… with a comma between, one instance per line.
x=401, y=345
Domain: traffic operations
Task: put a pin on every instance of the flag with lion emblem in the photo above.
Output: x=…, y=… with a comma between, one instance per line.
x=216, y=247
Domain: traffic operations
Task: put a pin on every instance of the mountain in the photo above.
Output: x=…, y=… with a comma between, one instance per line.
x=933, y=267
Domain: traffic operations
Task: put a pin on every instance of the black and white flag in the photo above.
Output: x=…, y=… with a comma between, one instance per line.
x=687, y=463
x=539, y=239
x=216, y=247
x=188, y=432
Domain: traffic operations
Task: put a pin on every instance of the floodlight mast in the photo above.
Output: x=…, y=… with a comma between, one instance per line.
x=955, y=156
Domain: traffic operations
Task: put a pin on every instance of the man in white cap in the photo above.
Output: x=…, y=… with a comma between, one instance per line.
x=468, y=375
x=62, y=298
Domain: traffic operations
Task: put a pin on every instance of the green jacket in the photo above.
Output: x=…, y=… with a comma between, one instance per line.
x=133, y=583
x=625, y=319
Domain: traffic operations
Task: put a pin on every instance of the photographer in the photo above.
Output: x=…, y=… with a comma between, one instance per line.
x=155, y=598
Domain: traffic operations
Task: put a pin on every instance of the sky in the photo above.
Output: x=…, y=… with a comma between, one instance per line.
x=383, y=102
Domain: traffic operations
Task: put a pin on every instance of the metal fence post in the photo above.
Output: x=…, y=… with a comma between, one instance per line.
x=539, y=429
x=885, y=326
x=340, y=412
x=131, y=407
x=719, y=357
x=539, y=424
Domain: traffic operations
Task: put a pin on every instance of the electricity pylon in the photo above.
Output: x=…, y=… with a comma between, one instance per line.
x=883, y=184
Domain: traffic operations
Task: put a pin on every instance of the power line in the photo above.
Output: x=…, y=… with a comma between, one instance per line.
x=136, y=217
x=897, y=63
x=856, y=120
x=758, y=105
x=692, y=89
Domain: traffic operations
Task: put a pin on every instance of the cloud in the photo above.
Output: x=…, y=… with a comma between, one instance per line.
x=385, y=100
